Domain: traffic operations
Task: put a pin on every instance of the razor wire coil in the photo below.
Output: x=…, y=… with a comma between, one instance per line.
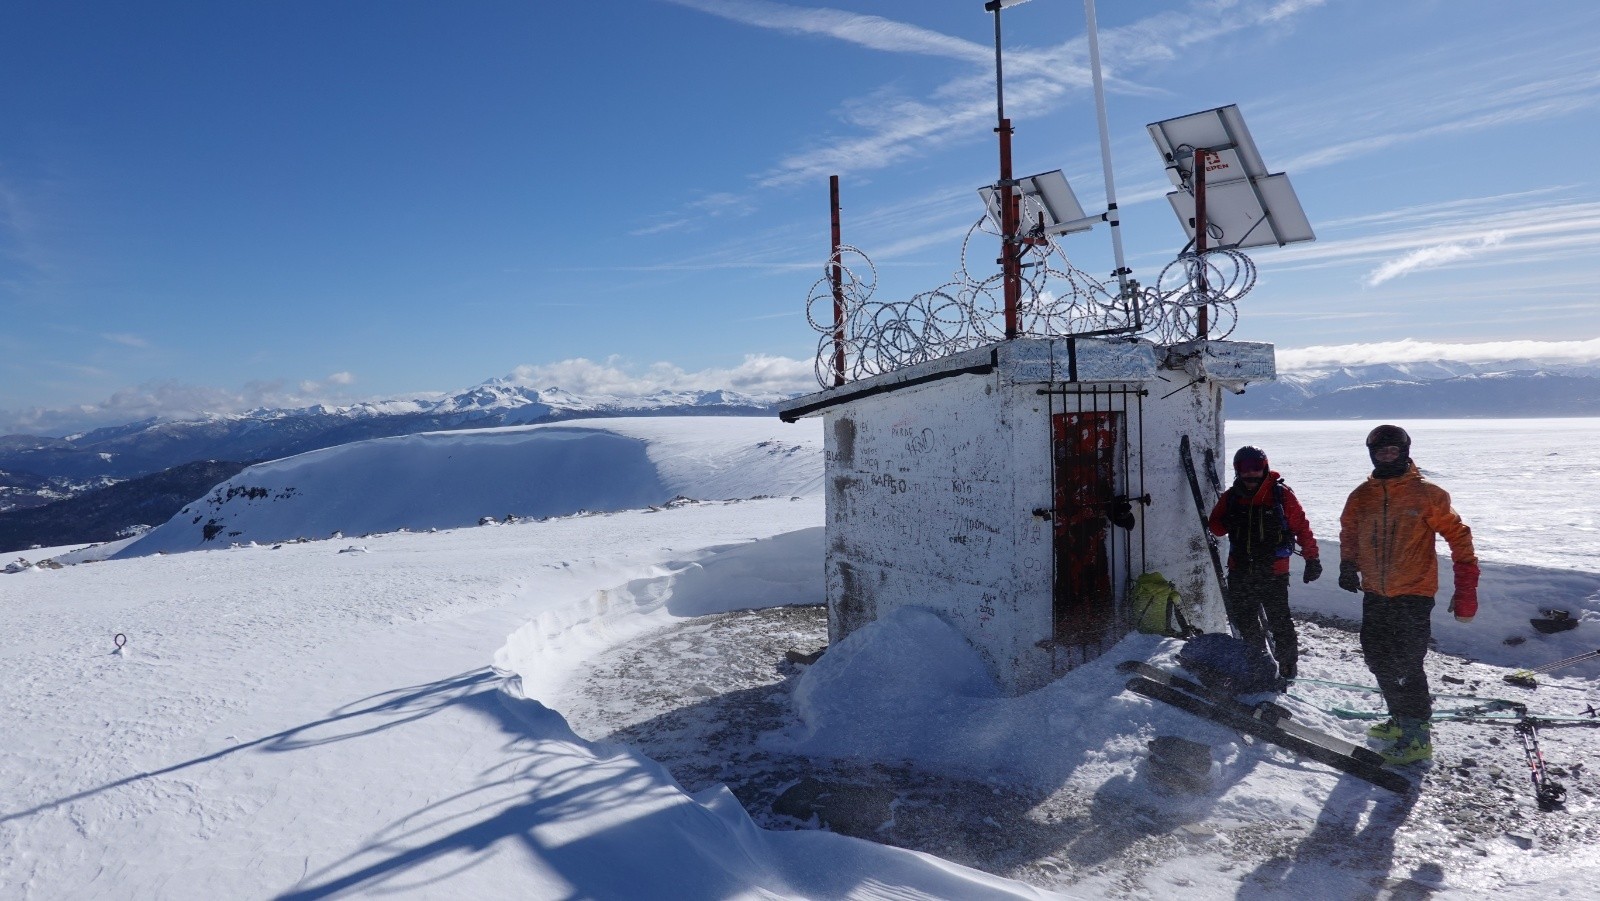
x=1057, y=300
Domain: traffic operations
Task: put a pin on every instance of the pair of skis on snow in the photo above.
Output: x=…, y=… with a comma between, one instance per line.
x=1265, y=721
x=1270, y=722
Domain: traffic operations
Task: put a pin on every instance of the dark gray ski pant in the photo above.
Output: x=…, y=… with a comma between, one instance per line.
x=1394, y=640
x=1253, y=593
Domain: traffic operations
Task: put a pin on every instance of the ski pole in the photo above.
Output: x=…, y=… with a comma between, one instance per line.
x=1549, y=794
x=1525, y=677
x=1576, y=658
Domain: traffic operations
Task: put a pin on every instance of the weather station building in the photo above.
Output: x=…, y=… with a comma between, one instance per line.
x=1009, y=451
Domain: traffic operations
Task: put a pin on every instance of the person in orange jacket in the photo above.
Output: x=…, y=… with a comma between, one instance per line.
x=1263, y=521
x=1386, y=551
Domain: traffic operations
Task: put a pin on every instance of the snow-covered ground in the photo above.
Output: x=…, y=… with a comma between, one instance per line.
x=385, y=714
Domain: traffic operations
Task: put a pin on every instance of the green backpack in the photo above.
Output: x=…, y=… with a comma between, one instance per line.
x=1156, y=610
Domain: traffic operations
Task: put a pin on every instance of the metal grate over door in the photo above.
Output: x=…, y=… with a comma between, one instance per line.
x=1096, y=439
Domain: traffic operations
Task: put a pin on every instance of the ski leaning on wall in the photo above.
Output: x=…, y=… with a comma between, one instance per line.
x=1186, y=458
x=1211, y=472
x=1267, y=722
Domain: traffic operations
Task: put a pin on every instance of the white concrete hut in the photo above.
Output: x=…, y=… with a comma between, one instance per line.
x=978, y=486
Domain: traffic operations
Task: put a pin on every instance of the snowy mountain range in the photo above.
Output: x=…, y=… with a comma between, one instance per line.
x=152, y=445
x=36, y=470
x=42, y=473
x=99, y=484
x=1439, y=389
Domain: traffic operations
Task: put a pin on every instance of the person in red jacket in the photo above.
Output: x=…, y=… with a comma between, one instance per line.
x=1263, y=521
x=1386, y=551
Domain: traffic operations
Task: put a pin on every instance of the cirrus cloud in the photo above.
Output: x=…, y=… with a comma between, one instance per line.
x=617, y=377
x=1410, y=350
x=1433, y=257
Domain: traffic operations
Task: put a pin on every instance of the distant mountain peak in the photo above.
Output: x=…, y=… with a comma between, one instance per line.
x=1424, y=390
x=153, y=444
x=559, y=396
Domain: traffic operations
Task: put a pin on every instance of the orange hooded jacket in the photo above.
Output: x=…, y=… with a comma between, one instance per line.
x=1388, y=529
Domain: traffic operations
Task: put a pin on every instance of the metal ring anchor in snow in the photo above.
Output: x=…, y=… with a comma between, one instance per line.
x=120, y=640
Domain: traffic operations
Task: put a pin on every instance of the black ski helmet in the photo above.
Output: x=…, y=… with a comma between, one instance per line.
x=1387, y=436
x=1250, y=456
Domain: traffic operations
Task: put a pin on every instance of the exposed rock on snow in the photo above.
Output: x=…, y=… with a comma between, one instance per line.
x=721, y=688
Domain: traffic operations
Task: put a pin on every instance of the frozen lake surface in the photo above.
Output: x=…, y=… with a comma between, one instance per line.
x=1529, y=488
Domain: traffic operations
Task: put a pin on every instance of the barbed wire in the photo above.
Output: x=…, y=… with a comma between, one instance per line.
x=1057, y=300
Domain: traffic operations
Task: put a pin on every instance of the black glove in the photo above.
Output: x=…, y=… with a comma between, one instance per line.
x=1121, y=513
x=1349, y=578
x=1313, y=569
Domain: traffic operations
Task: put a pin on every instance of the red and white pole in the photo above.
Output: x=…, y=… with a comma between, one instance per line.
x=1010, y=225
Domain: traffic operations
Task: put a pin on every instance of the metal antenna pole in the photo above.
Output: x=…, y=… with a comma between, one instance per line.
x=1010, y=203
x=837, y=277
x=1112, y=216
x=1200, y=239
x=999, y=78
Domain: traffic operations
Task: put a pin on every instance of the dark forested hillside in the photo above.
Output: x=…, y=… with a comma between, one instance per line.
x=102, y=514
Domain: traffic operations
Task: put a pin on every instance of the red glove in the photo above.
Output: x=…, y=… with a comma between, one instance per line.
x=1464, y=602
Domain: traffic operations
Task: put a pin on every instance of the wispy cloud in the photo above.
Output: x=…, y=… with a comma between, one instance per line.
x=1449, y=210
x=890, y=125
x=1412, y=351
x=903, y=130
x=1464, y=233
x=664, y=224
x=756, y=374
x=697, y=212
x=335, y=381
x=872, y=32
x=125, y=339
x=1433, y=257
x=25, y=232
x=1450, y=92
x=1037, y=80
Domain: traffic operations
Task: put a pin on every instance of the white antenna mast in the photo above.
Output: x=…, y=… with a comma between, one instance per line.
x=1112, y=216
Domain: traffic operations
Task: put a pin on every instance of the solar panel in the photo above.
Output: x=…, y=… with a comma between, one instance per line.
x=1047, y=193
x=1245, y=205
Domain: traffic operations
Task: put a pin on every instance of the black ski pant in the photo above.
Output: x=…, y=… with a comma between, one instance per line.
x=1252, y=592
x=1394, y=640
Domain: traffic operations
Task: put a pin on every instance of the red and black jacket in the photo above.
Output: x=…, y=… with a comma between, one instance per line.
x=1263, y=528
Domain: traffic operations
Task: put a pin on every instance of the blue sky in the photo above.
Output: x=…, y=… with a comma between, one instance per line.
x=222, y=205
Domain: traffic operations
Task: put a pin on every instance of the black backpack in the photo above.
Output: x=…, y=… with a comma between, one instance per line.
x=1244, y=547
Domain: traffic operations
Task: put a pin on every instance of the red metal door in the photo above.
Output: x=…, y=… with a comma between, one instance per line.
x=1084, y=448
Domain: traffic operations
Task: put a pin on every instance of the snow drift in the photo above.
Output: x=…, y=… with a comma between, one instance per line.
x=453, y=479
